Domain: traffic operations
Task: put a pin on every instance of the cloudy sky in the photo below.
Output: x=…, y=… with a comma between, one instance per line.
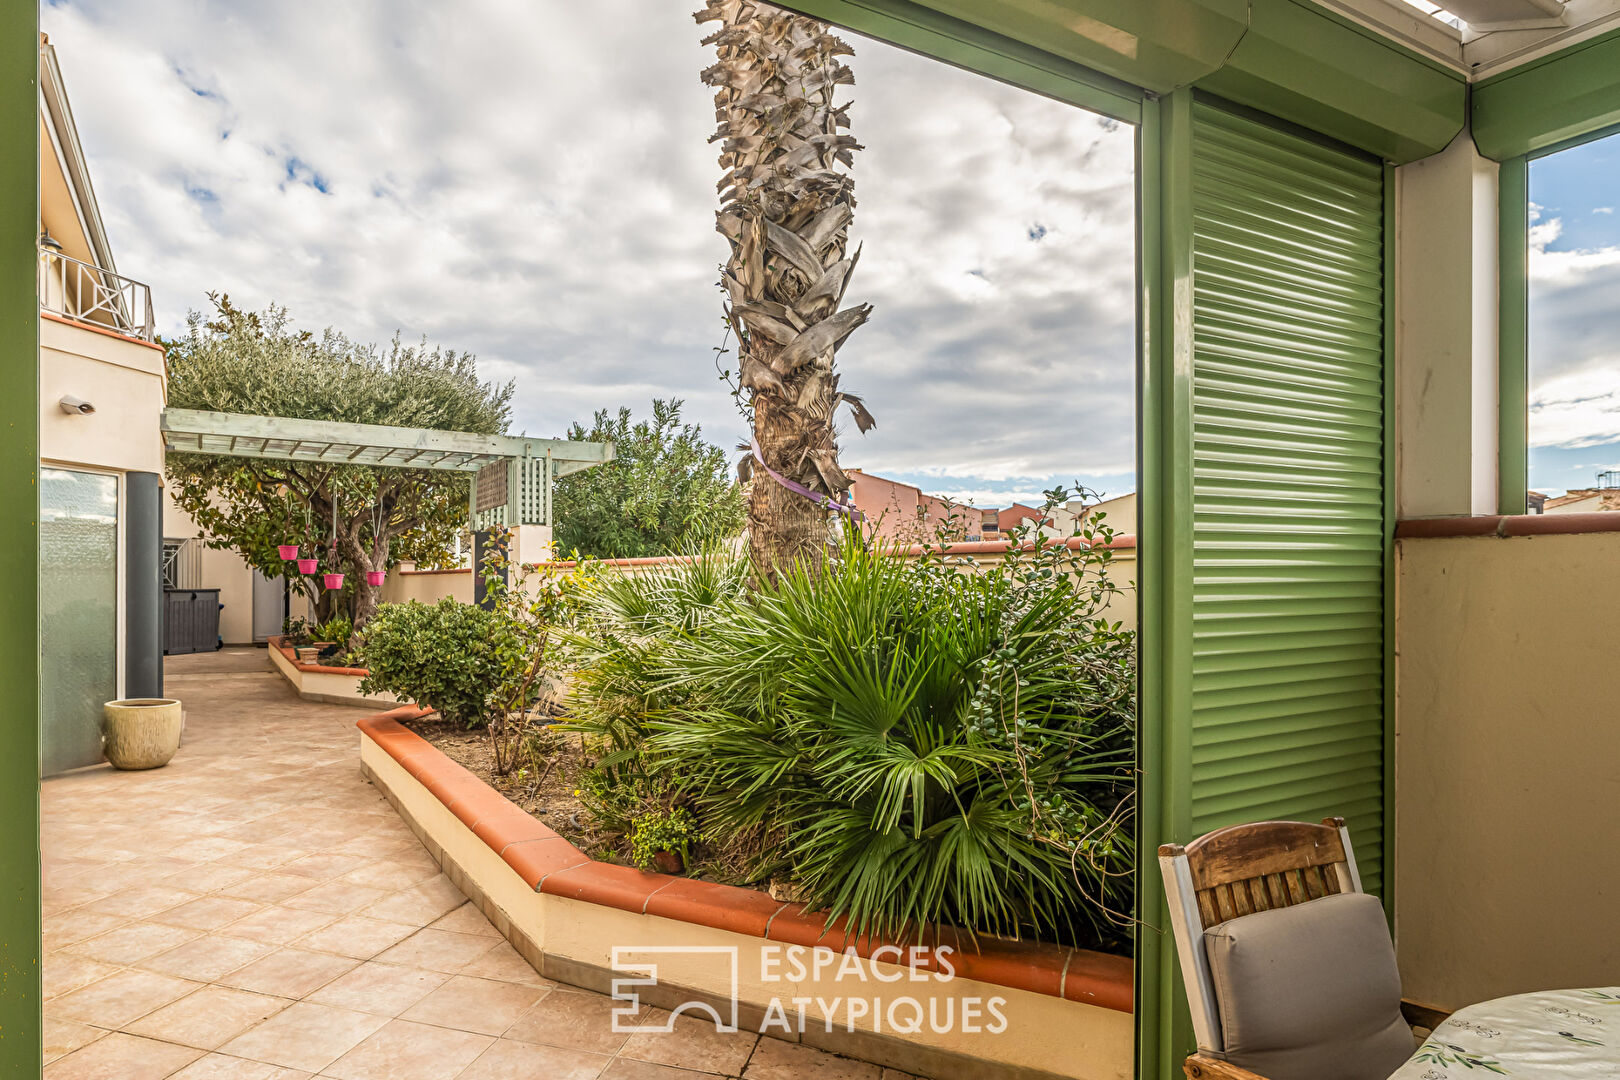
x=1575, y=316
x=532, y=182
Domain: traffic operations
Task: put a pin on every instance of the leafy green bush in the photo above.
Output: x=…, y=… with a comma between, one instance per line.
x=919, y=742
x=663, y=830
x=452, y=657
x=337, y=630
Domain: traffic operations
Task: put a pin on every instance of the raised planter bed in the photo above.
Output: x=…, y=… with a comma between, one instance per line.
x=1057, y=1011
x=318, y=682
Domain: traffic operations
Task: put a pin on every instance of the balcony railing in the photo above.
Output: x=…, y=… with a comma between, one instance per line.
x=77, y=290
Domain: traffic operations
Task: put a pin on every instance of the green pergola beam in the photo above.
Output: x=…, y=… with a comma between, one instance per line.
x=282, y=438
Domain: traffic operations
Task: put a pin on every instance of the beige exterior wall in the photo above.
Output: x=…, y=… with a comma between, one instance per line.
x=123, y=379
x=229, y=573
x=1507, y=765
x=430, y=586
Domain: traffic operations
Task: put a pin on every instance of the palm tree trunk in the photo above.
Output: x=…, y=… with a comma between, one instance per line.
x=786, y=205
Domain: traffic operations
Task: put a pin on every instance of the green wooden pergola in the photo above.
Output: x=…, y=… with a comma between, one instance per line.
x=1270, y=137
x=510, y=475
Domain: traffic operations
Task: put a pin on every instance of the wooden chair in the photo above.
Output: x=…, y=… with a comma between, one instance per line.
x=1238, y=871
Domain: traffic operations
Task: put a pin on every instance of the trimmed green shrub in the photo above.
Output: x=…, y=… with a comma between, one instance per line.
x=451, y=657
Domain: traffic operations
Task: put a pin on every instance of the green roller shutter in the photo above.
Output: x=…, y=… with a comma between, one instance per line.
x=1287, y=650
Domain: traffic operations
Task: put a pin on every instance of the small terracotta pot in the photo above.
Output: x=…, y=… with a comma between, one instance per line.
x=288, y=552
x=141, y=733
x=668, y=862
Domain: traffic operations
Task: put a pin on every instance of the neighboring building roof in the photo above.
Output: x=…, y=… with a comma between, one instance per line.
x=1577, y=498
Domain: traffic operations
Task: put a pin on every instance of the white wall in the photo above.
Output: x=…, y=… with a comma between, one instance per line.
x=1446, y=333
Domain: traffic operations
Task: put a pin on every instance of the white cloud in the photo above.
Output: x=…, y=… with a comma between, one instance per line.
x=532, y=182
x=1574, y=342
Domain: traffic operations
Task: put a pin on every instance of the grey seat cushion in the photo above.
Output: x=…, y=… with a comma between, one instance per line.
x=1311, y=992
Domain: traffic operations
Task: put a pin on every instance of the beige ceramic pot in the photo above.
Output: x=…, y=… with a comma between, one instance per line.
x=142, y=733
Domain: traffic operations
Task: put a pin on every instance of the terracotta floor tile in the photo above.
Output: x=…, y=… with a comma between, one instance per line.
x=335, y=897
x=324, y=866
x=120, y=998
x=466, y=919
x=510, y=1060
x=305, y=1036
x=391, y=874
x=65, y=929
x=577, y=1021
x=384, y=989
x=65, y=1036
x=121, y=1057
x=208, y=878
x=268, y=886
x=278, y=925
x=289, y=972
x=209, y=913
x=207, y=849
x=626, y=1069
x=208, y=1018
x=405, y=1051
x=481, y=1005
x=208, y=958
x=439, y=950
x=774, y=1059
x=222, y=1067
x=421, y=903
x=262, y=856
x=503, y=963
x=356, y=936
x=138, y=903
x=63, y=973
x=131, y=942
x=692, y=1044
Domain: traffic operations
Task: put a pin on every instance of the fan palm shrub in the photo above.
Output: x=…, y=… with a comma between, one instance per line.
x=923, y=742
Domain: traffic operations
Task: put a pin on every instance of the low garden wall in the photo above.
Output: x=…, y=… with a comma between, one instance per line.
x=430, y=586
x=317, y=682
x=994, y=1009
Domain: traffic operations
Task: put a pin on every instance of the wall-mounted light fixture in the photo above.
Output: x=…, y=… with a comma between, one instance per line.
x=76, y=406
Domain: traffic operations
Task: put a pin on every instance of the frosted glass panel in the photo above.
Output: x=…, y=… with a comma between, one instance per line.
x=78, y=585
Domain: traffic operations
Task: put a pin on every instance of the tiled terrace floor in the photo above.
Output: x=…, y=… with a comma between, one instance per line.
x=256, y=911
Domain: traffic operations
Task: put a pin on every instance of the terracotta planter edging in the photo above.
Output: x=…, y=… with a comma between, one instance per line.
x=550, y=864
x=280, y=644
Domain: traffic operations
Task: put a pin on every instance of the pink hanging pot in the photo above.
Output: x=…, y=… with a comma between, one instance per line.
x=288, y=552
x=306, y=566
x=375, y=577
x=333, y=581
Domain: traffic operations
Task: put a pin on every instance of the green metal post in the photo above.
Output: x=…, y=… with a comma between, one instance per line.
x=1513, y=357
x=1164, y=1033
x=1149, y=619
x=21, y=1036
x=1389, y=545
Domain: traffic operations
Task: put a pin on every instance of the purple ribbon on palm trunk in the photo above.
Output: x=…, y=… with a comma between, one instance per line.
x=797, y=488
